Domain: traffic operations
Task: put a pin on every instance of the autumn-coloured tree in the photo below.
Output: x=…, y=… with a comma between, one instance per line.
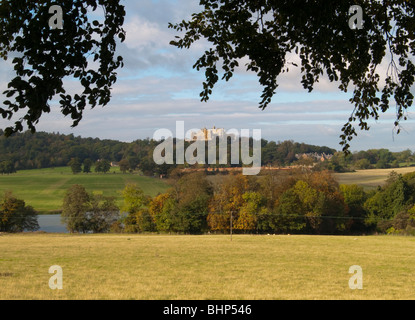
x=134, y=203
x=228, y=200
x=273, y=183
x=144, y=220
x=334, y=208
x=303, y=201
x=163, y=213
x=250, y=211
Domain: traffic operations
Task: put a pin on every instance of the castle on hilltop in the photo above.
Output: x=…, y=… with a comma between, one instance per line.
x=207, y=134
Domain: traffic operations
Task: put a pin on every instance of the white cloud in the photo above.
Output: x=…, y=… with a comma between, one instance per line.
x=143, y=34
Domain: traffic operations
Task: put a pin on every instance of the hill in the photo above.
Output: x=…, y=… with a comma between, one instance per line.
x=47, y=150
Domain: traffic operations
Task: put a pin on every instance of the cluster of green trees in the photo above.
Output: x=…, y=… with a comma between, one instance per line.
x=15, y=215
x=369, y=159
x=283, y=153
x=45, y=150
x=296, y=201
x=86, y=166
x=7, y=167
x=85, y=212
x=391, y=208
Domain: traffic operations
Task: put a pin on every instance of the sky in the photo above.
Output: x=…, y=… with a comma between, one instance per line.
x=158, y=87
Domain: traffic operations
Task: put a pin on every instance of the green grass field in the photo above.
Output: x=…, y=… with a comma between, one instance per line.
x=206, y=267
x=44, y=189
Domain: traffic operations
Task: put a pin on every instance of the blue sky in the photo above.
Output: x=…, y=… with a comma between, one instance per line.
x=158, y=87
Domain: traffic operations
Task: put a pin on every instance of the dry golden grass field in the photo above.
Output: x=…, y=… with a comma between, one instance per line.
x=250, y=267
x=370, y=178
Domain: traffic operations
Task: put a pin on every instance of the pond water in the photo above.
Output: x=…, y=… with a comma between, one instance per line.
x=51, y=223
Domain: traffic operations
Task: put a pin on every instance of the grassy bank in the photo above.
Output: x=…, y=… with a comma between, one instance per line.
x=44, y=189
x=206, y=267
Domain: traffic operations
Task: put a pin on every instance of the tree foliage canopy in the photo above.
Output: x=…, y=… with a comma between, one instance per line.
x=43, y=58
x=85, y=212
x=318, y=32
x=15, y=215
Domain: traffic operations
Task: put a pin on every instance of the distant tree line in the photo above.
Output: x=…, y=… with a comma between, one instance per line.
x=43, y=150
x=295, y=201
x=369, y=159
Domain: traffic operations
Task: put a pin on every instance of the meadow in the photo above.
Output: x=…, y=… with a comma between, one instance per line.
x=371, y=178
x=44, y=189
x=266, y=267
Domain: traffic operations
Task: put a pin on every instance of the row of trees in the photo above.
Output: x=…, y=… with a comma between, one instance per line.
x=370, y=159
x=285, y=202
x=289, y=202
x=102, y=166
